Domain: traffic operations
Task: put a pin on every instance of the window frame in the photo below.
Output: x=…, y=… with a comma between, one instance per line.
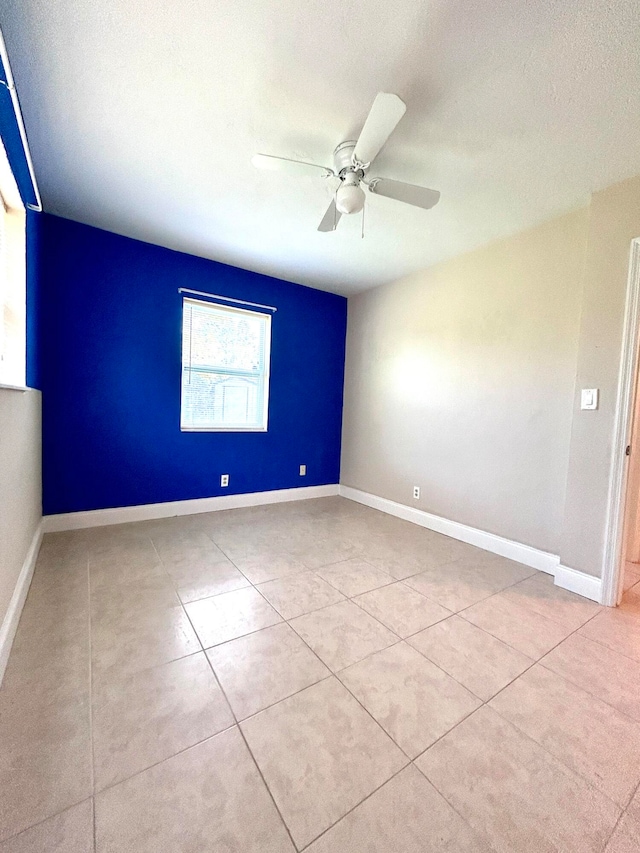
x=265, y=374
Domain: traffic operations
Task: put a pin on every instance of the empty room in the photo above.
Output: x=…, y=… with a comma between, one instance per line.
x=319, y=426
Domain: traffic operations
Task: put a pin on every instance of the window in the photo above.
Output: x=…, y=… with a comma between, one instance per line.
x=13, y=277
x=225, y=368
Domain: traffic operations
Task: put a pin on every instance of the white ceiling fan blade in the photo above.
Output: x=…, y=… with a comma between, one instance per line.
x=291, y=167
x=408, y=193
x=331, y=218
x=385, y=113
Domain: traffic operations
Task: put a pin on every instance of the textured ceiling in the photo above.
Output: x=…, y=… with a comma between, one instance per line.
x=142, y=116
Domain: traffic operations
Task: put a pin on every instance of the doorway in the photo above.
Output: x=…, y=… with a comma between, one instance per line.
x=630, y=551
x=622, y=541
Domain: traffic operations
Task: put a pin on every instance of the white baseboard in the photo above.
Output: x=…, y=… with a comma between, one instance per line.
x=570, y=579
x=525, y=554
x=580, y=583
x=146, y=512
x=12, y=617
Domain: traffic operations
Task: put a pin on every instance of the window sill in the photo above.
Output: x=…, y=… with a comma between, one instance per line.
x=223, y=429
x=4, y=387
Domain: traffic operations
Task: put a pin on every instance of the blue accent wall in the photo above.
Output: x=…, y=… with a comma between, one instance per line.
x=34, y=379
x=110, y=319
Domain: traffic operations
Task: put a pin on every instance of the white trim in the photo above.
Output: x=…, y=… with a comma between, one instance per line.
x=611, y=566
x=4, y=387
x=12, y=616
x=525, y=554
x=226, y=299
x=145, y=512
x=579, y=582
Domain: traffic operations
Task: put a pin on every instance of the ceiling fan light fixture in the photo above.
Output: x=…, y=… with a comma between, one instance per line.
x=349, y=198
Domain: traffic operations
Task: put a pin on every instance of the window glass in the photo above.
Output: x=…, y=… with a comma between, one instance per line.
x=225, y=367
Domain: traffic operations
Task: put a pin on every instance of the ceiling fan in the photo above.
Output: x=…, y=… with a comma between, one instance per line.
x=352, y=161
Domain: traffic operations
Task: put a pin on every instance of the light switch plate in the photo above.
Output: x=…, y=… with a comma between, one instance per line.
x=589, y=399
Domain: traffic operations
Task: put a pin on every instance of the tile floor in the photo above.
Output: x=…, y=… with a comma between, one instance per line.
x=313, y=676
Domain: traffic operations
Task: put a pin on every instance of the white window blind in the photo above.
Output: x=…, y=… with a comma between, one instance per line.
x=4, y=289
x=12, y=279
x=225, y=367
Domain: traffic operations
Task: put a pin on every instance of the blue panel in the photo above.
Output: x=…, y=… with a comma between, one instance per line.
x=33, y=299
x=111, y=326
x=13, y=143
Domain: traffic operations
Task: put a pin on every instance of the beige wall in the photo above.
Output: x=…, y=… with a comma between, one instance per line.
x=460, y=380
x=614, y=223
x=20, y=484
x=465, y=379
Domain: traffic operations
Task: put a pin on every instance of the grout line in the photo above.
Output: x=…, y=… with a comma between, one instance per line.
x=335, y=675
x=364, y=610
x=330, y=673
x=570, y=770
x=397, y=642
x=195, y=632
x=284, y=698
x=287, y=618
x=536, y=661
x=615, y=826
x=253, y=758
x=16, y=835
x=93, y=754
x=604, y=645
x=477, y=833
x=390, y=582
x=377, y=722
x=267, y=788
x=239, y=637
x=93, y=821
x=584, y=689
x=167, y=758
x=483, y=701
x=461, y=613
x=353, y=808
x=176, y=587
x=636, y=790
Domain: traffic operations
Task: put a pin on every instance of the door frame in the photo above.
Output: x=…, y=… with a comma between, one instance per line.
x=612, y=574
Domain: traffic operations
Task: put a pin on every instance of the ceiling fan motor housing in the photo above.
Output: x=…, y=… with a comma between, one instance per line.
x=343, y=156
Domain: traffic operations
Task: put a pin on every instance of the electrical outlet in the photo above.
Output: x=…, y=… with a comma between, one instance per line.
x=224, y=480
x=303, y=470
x=416, y=493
